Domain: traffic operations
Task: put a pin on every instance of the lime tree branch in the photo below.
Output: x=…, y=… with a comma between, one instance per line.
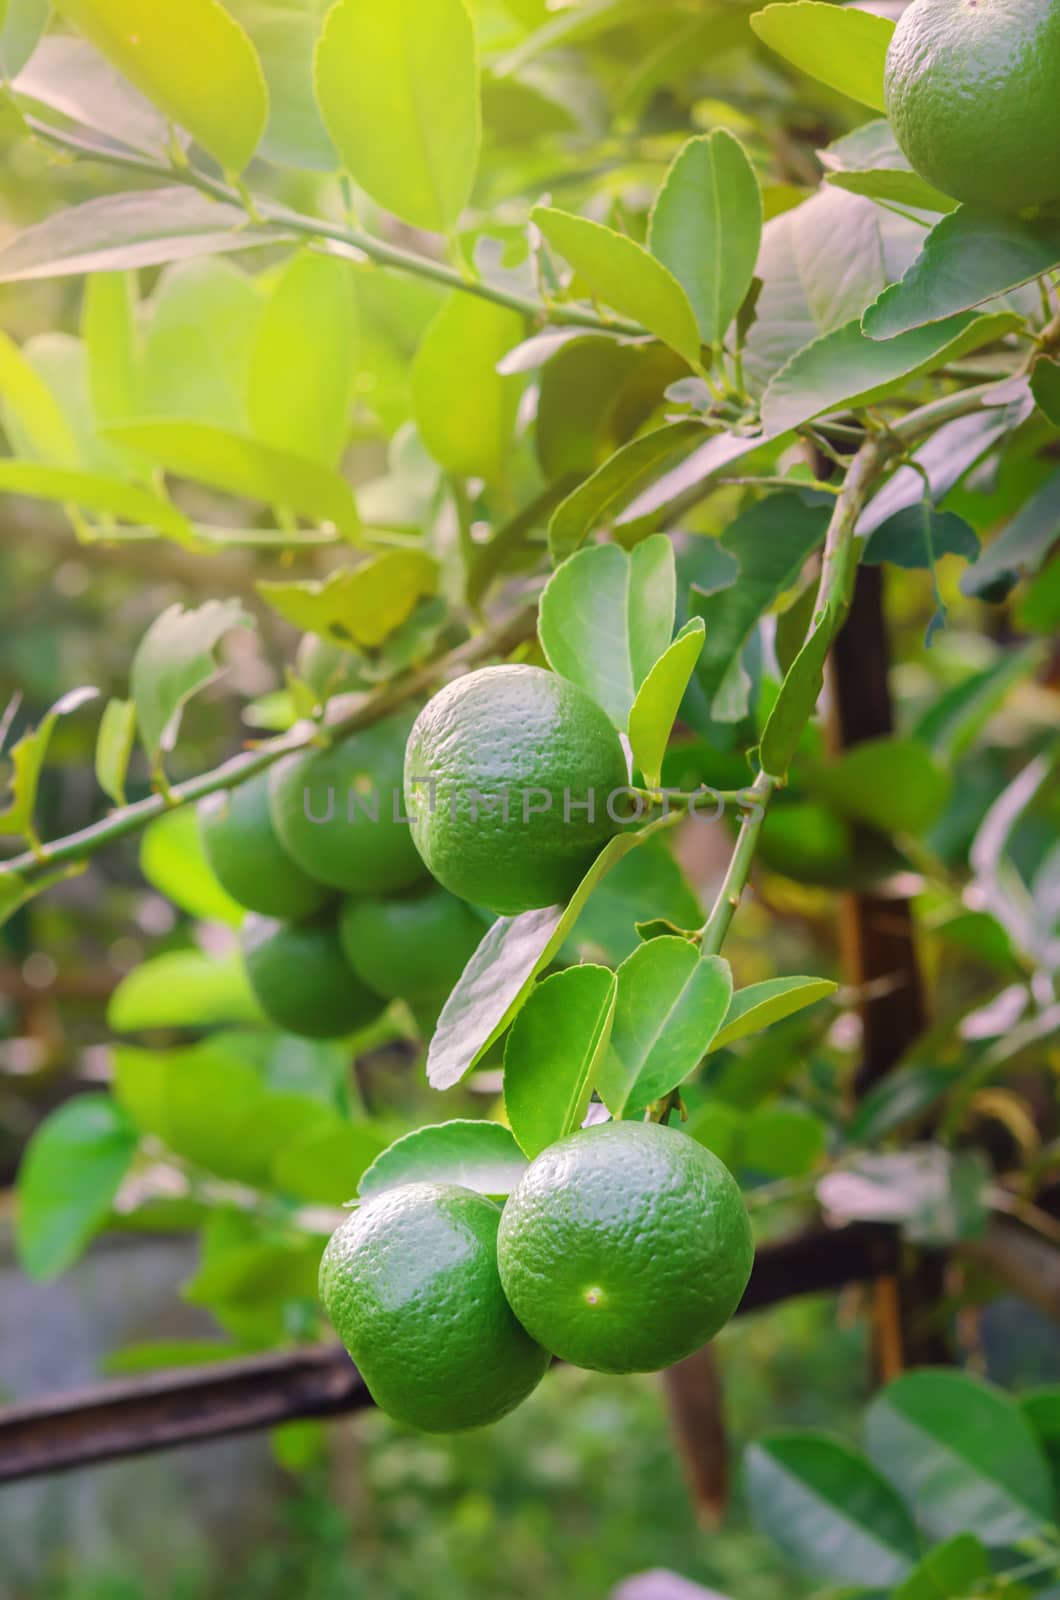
x=285, y=222
x=78, y=847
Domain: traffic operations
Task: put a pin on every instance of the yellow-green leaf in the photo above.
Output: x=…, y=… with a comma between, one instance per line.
x=464, y=409
x=841, y=46
x=359, y=606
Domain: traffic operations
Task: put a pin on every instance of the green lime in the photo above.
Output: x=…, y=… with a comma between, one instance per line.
x=410, y=1283
x=339, y=813
x=248, y=859
x=972, y=89
x=625, y=1247
x=514, y=779
x=411, y=947
x=302, y=980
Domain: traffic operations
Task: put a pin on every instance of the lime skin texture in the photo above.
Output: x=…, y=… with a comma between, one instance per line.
x=338, y=811
x=248, y=859
x=972, y=89
x=410, y=1283
x=302, y=980
x=531, y=737
x=410, y=947
x=625, y=1247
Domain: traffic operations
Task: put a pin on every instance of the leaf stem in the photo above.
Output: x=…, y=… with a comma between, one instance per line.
x=731, y=892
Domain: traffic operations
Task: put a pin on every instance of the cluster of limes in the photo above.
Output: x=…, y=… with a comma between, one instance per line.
x=623, y=1248
x=343, y=917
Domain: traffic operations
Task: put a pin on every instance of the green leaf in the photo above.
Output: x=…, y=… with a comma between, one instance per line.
x=204, y=320
x=183, y=989
x=1041, y=1407
x=359, y=605
x=671, y=1002
x=174, y=862
x=898, y=188
x=1045, y=386
x=593, y=393
x=499, y=976
x=324, y=1164
x=262, y=1271
x=71, y=1171
x=782, y=1142
x=463, y=407
x=156, y=1355
x=898, y=1098
x=66, y=486
x=284, y=35
x=29, y=403
x=241, y=466
x=654, y=711
x=621, y=273
x=27, y=760
x=605, y=618
x=1023, y=545
x=553, y=1054
x=966, y=259
x=196, y=64
x=720, y=1128
x=1039, y=608
x=173, y=661
x=117, y=733
x=410, y=71
x=111, y=334
x=902, y=540
x=828, y=1510
x=302, y=367
x=647, y=883
x=962, y=1454
x=68, y=76
x=21, y=24
x=596, y=501
x=839, y=46
x=895, y=785
x=761, y=1004
x=798, y=697
x=951, y=1571
x=771, y=541
x=475, y=1155
x=845, y=368
x=119, y=232
x=706, y=227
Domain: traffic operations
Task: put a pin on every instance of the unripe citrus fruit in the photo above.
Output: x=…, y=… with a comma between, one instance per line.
x=302, y=980
x=247, y=857
x=520, y=740
x=625, y=1247
x=972, y=89
x=410, y=1283
x=338, y=811
x=411, y=947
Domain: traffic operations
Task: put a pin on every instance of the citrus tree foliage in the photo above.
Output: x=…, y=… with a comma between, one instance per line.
x=621, y=349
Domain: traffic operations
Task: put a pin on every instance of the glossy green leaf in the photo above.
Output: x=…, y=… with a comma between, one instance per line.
x=902, y=541
x=174, y=862
x=117, y=734
x=846, y=368
x=799, y=693
x=411, y=70
x=119, y=232
x=183, y=989
x=895, y=785
x=966, y=259
x=840, y=46
x=324, y=1164
x=951, y=1571
x=658, y=700
x=463, y=407
x=553, y=1053
x=771, y=541
x=475, y=1155
x=196, y=64
x=283, y=32
x=1045, y=386
x=357, y=605
x=623, y=275
x=605, y=618
x=173, y=661
x=962, y=1454
x=69, y=486
x=303, y=361
x=706, y=227
x=27, y=762
x=71, y=1171
x=761, y=1004
x=828, y=1511
x=242, y=466
x=498, y=978
x=596, y=501
x=671, y=1002
x=196, y=363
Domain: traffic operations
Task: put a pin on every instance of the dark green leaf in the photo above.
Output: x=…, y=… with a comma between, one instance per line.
x=902, y=540
x=1023, y=545
x=553, y=1053
x=797, y=700
x=646, y=883
x=951, y=1571
x=782, y=1142
x=895, y=785
x=475, y=1155
x=70, y=1174
x=1045, y=386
